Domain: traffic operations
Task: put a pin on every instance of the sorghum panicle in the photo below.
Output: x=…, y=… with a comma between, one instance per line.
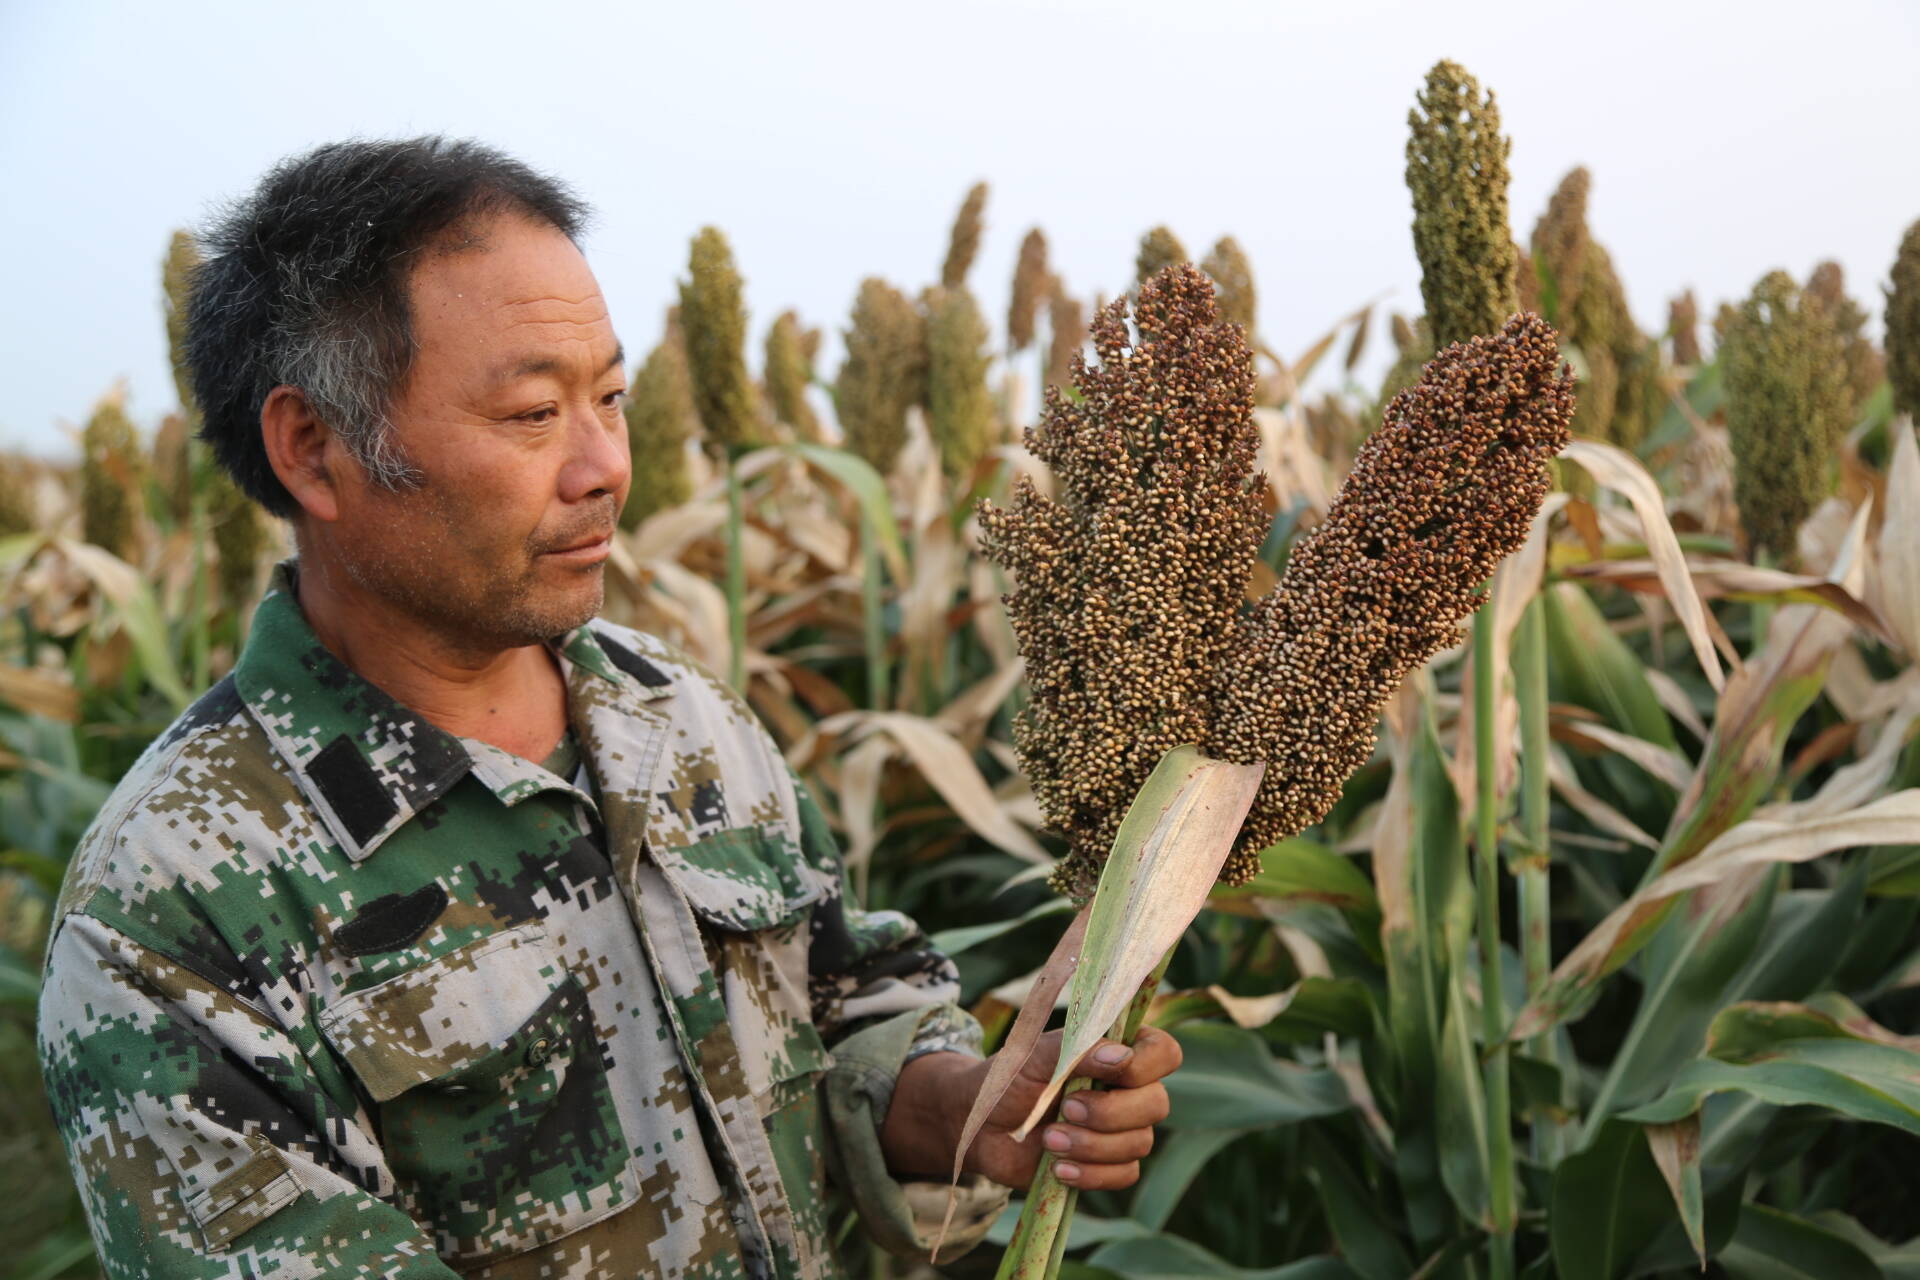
x=884, y=373
x=1457, y=174
x=660, y=420
x=1903, y=324
x=963, y=243
x=1683, y=327
x=1066, y=334
x=713, y=316
x=788, y=371
x=110, y=481
x=1788, y=403
x=1031, y=280
x=1445, y=489
x=1232, y=276
x=960, y=412
x=1827, y=286
x=1129, y=584
x=1159, y=249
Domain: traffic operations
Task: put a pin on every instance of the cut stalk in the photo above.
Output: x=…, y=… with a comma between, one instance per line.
x=736, y=582
x=1500, y=1171
x=1040, y=1238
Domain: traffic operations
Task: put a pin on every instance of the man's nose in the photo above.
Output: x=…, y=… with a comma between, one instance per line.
x=599, y=462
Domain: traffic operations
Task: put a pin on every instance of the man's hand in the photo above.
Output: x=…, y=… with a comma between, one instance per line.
x=1098, y=1136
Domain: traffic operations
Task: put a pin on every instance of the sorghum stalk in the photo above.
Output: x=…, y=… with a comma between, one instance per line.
x=1495, y=1069
x=1536, y=952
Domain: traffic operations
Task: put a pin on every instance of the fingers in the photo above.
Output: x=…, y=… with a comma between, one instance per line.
x=1098, y=1177
x=1070, y=1142
x=1154, y=1054
x=1117, y=1110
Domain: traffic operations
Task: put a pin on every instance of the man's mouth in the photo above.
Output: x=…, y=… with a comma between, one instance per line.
x=588, y=551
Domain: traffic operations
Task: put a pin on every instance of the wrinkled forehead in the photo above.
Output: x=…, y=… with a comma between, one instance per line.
x=505, y=282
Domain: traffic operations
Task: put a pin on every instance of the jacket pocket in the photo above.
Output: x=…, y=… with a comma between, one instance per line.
x=491, y=1093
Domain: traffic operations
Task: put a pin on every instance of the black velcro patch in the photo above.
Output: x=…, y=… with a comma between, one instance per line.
x=391, y=922
x=352, y=788
x=633, y=664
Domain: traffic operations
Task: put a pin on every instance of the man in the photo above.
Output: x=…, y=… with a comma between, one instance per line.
x=458, y=931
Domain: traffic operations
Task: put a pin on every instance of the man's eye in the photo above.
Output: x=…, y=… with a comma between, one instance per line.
x=613, y=399
x=537, y=416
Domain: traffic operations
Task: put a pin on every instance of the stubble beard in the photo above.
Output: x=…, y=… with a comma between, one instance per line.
x=483, y=605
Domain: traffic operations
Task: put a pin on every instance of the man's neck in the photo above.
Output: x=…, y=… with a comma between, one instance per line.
x=514, y=698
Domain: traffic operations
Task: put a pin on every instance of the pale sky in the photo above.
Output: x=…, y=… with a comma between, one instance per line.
x=834, y=140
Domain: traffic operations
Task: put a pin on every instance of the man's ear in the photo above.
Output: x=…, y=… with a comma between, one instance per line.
x=298, y=443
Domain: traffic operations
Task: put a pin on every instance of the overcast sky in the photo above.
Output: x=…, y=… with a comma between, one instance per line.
x=834, y=140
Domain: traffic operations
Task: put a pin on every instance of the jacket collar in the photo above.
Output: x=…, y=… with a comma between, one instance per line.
x=367, y=763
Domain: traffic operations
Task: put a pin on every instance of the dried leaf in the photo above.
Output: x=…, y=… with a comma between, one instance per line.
x=1622, y=472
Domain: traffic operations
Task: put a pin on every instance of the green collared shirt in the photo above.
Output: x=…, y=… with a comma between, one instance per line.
x=333, y=992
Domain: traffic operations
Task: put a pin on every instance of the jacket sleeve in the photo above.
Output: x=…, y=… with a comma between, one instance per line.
x=882, y=996
x=202, y=1140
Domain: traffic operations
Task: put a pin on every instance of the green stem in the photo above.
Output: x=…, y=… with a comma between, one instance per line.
x=1500, y=1169
x=736, y=583
x=1762, y=614
x=872, y=607
x=1530, y=681
x=1040, y=1238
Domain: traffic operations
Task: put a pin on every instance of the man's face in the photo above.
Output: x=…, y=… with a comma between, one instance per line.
x=512, y=416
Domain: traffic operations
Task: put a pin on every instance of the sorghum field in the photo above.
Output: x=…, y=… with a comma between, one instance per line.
x=1576, y=931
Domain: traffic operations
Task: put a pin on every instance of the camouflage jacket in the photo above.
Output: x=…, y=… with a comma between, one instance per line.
x=333, y=992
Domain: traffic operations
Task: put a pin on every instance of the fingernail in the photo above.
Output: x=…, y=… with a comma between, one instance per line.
x=1112, y=1054
x=1074, y=1110
x=1057, y=1140
x=1067, y=1172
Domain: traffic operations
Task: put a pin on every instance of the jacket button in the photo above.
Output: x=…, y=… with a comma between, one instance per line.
x=539, y=1051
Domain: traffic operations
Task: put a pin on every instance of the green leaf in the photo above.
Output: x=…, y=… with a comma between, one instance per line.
x=1367, y=1239
x=954, y=941
x=1590, y=666
x=1164, y=1257
x=1461, y=1114
x=1300, y=870
x=1166, y=856
x=1609, y=1203
x=1171, y=1169
x=1874, y=1082
x=1230, y=1079
x=1771, y=1245
x=1796, y=954
x=19, y=980
x=1689, y=966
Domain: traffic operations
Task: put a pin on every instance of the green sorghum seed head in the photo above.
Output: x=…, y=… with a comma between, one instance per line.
x=1784, y=364
x=1903, y=324
x=1457, y=174
x=788, y=372
x=1232, y=276
x=713, y=316
x=1031, y=280
x=963, y=242
x=960, y=412
x=884, y=373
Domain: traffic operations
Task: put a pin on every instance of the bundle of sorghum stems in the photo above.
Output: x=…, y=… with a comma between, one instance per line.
x=1130, y=603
